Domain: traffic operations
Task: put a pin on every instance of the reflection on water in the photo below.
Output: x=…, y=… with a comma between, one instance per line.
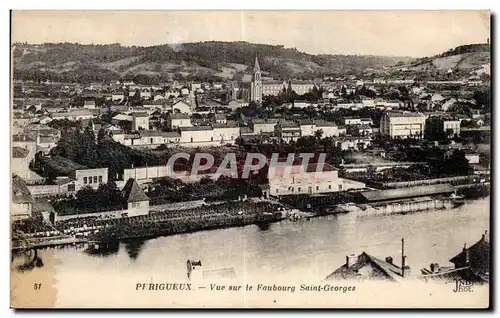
x=264, y=226
x=30, y=260
x=133, y=248
x=103, y=249
x=313, y=248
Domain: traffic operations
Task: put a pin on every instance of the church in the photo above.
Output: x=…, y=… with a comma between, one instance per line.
x=257, y=88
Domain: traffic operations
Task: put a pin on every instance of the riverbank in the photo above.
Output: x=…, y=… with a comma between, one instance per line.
x=228, y=214
x=29, y=243
x=165, y=223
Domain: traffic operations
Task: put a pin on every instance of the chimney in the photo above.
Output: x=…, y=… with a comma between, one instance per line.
x=389, y=260
x=350, y=260
x=434, y=267
x=483, y=237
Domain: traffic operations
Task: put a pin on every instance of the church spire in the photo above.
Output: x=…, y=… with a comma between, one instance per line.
x=256, y=67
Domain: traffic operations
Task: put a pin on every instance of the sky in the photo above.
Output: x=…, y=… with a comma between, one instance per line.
x=394, y=33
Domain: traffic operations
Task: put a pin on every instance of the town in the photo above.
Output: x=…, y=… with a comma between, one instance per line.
x=92, y=160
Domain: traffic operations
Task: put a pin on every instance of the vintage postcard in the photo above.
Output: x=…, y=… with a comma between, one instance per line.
x=250, y=159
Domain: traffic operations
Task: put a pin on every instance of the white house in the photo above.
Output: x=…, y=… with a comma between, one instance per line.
x=263, y=125
x=175, y=121
x=313, y=180
x=140, y=121
x=226, y=133
x=181, y=107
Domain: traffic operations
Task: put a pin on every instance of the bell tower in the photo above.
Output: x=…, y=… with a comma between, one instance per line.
x=256, y=93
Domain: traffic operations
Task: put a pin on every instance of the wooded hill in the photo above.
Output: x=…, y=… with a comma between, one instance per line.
x=198, y=61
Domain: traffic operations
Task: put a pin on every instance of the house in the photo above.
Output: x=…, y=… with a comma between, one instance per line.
x=368, y=102
x=89, y=104
x=26, y=141
x=471, y=264
x=235, y=104
x=22, y=201
x=287, y=131
x=220, y=118
x=73, y=115
x=448, y=104
x=81, y=176
x=227, y=132
x=359, y=130
x=307, y=127
x=437, y=125
x=353, y=143
x=197, y=136
x=437, y=98
x=152, y=138
x=120, y=117
x=342, y=130
x=175, y=121
x=247, y=132
x=472, y=157
x=154, y=104
x=45, y=143
x=351, y=121
x=140, y=121
x=310, y=127
x=396, y=125
x=328, y=129
x=477, y=257
x=20, y=162
x=368, y=267
x=315, y=179
x=301, y=104
x=136, y=201
x=117, y=96
x=181, y=107
x=366, y=121
x=263, y=125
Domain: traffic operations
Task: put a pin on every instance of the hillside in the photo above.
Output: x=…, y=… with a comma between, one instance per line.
x=462, y=58
x=200, y=61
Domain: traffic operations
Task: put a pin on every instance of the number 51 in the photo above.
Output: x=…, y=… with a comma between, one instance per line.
x=37, y=286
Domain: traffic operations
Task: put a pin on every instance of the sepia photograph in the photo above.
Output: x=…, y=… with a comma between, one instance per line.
x=250, y=159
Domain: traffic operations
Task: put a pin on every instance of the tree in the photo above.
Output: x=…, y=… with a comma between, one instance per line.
x=318, y=134
x=100, y=136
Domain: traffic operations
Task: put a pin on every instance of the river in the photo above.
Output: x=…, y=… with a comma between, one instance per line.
x=312, y=248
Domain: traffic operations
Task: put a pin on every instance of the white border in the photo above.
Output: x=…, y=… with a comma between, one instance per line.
x=193, y=5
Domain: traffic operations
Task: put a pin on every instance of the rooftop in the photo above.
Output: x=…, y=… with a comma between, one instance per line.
x=381, y=269
x=23, y=137
x=132, y=192
x=406, y=114
x=61, y=165
x=18, y=152
x=179, y=116
x=20, y=192
x=156, y=133
x=401, y=193
x=228, y=124
x=196, y=128
x=265, y=121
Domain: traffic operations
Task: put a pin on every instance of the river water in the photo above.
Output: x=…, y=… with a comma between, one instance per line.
x=307, y=248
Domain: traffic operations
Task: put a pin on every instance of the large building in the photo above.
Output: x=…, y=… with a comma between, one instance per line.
x=315, y=179
x=259, y=88
x=402, y=125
